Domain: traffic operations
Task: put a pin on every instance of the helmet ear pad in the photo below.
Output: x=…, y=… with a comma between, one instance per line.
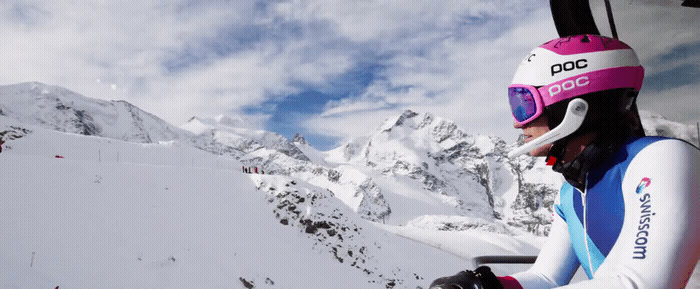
x=611, y=113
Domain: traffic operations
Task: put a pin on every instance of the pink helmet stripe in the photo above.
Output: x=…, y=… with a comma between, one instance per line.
x=610, y=78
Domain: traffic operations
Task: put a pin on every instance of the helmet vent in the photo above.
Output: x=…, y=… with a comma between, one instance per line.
x=585, y=39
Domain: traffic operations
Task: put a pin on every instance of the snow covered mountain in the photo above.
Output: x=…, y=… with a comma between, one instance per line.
x=237, y=138
x=656, y=124
x=60, y=109
x=461, y=181
x=116, y=214
x=38, y=105
x=161, y=202
x=271, y=153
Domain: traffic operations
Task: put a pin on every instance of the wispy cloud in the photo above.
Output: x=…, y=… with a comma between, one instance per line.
x=330, y=68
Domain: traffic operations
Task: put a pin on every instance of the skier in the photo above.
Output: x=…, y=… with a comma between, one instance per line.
x=1, y=143
x=629, y=210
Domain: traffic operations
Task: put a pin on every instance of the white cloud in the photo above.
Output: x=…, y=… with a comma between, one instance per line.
x=679, y=103
x=176, y=59
x=457, y=78
x=126, y=46
x=347, y=126
x=465, y=79
x=367, y=20
x=652, y=28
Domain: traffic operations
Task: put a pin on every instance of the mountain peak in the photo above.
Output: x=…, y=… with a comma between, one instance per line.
x=407, y=114
x=298, y=138
x=397, y=121
x=440, y=129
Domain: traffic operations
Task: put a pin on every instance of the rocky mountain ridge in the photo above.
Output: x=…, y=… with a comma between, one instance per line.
x=63, y=110
x=470, y=175
x=461, y=181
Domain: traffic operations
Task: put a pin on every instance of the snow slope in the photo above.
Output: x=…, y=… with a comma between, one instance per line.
x=171, y=216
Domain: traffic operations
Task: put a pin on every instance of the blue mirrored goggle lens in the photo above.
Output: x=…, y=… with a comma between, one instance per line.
x=522, y=103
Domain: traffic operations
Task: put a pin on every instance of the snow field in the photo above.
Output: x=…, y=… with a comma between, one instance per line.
x=130, y=225
x=152, y=219
x=114, y=214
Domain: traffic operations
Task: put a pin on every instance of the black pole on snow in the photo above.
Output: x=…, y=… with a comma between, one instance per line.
x=496, y=259
x=573, y=17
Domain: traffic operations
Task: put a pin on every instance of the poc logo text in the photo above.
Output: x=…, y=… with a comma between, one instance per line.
x=568, y=85
x=569, y=66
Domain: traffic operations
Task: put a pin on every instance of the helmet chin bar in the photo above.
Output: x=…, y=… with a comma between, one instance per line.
x=575, y=114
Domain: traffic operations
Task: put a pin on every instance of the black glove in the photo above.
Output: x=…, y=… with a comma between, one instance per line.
x=481, y=278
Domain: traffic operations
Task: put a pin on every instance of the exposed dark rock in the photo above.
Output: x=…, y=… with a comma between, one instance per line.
x=246, y=283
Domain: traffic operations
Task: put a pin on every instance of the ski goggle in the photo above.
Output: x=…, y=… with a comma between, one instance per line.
x=525, y=103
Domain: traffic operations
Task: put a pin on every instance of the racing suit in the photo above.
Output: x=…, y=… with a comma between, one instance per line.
x=635, y=223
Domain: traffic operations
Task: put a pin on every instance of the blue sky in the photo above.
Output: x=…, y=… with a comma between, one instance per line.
x=329, y=69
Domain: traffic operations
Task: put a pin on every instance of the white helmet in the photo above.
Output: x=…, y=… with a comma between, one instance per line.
x=558, y=76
